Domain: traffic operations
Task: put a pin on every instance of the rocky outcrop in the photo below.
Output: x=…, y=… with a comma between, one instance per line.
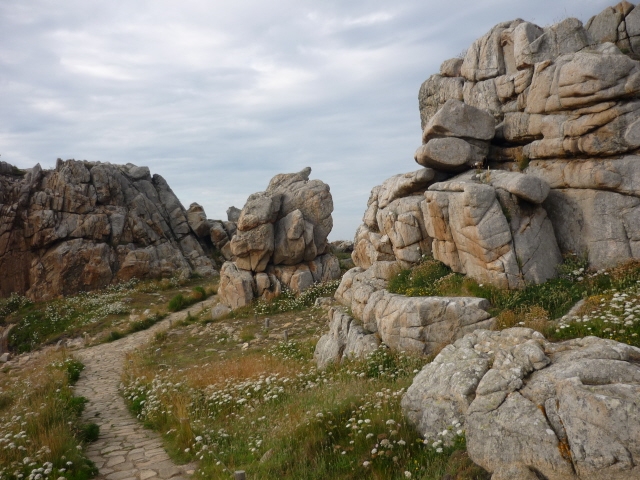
x=420, y=325
x=529, y=145
x=534, y=409
x=85, y=225
x=280, y=241
x=346, y=340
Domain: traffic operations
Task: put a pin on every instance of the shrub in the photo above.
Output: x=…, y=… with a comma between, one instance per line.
x=177, y=303
x=114, y=335
x=89, y=432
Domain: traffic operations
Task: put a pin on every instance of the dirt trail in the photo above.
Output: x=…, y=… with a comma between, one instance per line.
x=125, y=449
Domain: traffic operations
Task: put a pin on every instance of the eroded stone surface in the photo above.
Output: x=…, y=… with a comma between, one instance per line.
x=567, y=410
x=85, y=225
x=280, y=241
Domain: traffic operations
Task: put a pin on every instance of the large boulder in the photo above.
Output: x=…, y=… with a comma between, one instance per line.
x=492, y=228
x=419, y=325
x=85, y=225
x=347, y=339
x=532, y=408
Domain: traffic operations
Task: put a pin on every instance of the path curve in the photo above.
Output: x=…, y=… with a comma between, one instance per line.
x=125, y=449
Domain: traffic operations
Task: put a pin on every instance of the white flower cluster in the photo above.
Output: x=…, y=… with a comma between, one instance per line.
x=449, y=436
x=617, y=316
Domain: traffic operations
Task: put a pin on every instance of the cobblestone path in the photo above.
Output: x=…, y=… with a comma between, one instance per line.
x=125, y=449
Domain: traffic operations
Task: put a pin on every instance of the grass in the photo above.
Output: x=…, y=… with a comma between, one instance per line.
x=105, y=315
x=40, y=428
x=288, y=301
x=535, y=305
x=269, y=412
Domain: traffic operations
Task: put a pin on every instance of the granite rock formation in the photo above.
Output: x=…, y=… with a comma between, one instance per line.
x=280, y=241
x=85, y=225
x=530, y=146
x=535, y=409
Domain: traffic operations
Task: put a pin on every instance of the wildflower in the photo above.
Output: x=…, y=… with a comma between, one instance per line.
x=366, y=464
x=407, y=474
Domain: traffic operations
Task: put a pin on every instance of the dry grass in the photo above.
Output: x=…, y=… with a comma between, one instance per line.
x=238, y=369
x=534, y=317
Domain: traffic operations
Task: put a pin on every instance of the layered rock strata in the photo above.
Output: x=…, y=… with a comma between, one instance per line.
x=280, y=241
x=534, y=409
x=85, y=225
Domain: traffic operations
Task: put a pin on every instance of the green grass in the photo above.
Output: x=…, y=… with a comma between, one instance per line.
x=270, y=413
x=93, y=313
x=40, y=426
x=180, y=301
x=532, y=305
x=287, y=301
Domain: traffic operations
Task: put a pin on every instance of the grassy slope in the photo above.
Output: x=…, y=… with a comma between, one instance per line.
x=237, y=396
x=40, y=429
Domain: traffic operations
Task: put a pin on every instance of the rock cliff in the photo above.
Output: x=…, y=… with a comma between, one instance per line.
x=85, y=225
x=530, y=150
x=280, y=241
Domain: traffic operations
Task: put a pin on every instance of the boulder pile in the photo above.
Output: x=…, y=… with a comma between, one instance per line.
x=85, y=225
x=280, y=241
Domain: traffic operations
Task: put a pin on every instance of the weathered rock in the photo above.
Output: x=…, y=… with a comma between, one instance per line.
x=346, y=339
x=451, y=154
x=466, y=218
x=420, y=325
x=435, y=92
x=342, y=246
x=219, y=311
x=86, y=225
x=451, y=67
x=261, y=208
x=457, y=119
x=528, y=406
x=233, y=214
x=486, y=57
x=402, y=185
x=283, y=233
x=602, y=226
x=198, y=220
x=253, y=248
x=236, y=286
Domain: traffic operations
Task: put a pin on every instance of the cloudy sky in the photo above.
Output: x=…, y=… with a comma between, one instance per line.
x=219, y=96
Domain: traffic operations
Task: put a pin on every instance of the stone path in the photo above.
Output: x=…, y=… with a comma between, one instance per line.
x=125, y=449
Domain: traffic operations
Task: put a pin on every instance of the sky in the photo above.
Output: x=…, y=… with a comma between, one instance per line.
x=220, y=96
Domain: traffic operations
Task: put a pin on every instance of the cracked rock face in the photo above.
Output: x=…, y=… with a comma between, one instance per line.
x=280, y=241
x=85, y=225
x=549, y=119
x=419, y=325
x=564, y=411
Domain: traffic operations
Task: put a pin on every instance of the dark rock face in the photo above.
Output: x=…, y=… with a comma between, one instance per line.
x=85, y=225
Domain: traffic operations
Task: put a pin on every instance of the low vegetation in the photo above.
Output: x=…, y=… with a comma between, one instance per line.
x=270, y=412
x=234, y=394
x=41, y=435
x=109, y=314
x=288, y=301
x=610, y=298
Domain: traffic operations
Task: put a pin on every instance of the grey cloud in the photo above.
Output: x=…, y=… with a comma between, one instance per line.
x=219, y=96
